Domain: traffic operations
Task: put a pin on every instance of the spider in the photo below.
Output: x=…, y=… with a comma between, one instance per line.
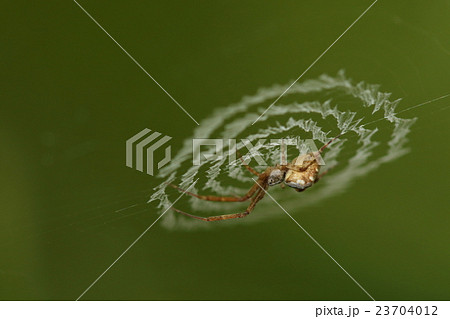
x=300, y=174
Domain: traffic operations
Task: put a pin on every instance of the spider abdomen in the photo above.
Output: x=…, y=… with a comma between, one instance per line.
x=303, y=173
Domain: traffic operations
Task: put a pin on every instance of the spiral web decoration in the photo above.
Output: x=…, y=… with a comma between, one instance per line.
x=317, y=109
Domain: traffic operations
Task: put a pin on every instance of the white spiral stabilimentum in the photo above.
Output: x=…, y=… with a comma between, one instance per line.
x=317, y=109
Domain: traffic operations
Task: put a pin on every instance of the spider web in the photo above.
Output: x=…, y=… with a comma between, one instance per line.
x=317, y=109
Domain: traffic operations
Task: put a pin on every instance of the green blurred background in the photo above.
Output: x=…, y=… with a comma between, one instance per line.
x=70, y=98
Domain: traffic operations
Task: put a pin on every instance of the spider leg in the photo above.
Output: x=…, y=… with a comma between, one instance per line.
x=331, y=141
x=248, y=167
x=259, y=195
x=292, y=167
x=214, y=198
x=324, y=173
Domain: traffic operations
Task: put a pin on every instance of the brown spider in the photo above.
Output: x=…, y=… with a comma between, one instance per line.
x=300, y=174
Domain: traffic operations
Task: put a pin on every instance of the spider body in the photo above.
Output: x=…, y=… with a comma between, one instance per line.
x=304, y=172
x=300, y=174
x=275, y=175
